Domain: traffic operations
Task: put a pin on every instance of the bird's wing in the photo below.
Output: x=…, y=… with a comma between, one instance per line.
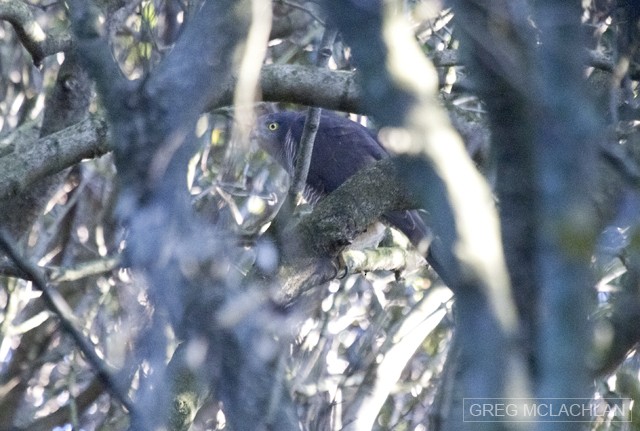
x=355, y=135
x=342, y=147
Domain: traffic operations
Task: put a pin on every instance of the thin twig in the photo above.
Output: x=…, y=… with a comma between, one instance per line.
x=59, y=307
x=311, y=124
x=59, y=274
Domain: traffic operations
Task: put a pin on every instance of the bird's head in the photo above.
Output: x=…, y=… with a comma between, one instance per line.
x=275, y=133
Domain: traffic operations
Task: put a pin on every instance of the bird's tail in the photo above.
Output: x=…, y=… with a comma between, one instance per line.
x=411, y=224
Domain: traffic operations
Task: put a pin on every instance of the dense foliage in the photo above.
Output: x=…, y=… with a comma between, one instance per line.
x=155, y=274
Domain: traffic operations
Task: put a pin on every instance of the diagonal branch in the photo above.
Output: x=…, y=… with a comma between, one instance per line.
x=59, y=307
x=318, y=238
x=38, y=43
x=51, y=154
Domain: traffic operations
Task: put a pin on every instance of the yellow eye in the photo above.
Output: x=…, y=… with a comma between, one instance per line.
x=273, y=126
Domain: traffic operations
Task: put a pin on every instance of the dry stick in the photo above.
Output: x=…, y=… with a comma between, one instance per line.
x=56, y=304
x=311, y=124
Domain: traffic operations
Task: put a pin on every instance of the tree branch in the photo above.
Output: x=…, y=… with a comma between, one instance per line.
x=315, y=240
x=57, y=305
x=380, y=258
x=399, y=89
x=30, y=162
x=311, y=123
x=66, y=104
x=66, y=273
x=334, y=90
x=509, y=117
x=95, y=54
x=38, y=43
x=383, y=376
x=566, y=229
x=152, y=122
x=304, y=85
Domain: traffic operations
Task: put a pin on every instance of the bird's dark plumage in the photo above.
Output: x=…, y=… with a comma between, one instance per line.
x=341, y=148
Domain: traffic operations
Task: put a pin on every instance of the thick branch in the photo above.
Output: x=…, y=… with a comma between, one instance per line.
x=51, y=154
x=340, y=90
x=331, y=89
x=335, y=90
x=400, y=90
x=152, y=124
x=509, y=116
x=348, y=211
x=182, y=83
x=566, y=223
x=95, y=53
x=33, y=38
x=66, y=104
x=317, y=239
